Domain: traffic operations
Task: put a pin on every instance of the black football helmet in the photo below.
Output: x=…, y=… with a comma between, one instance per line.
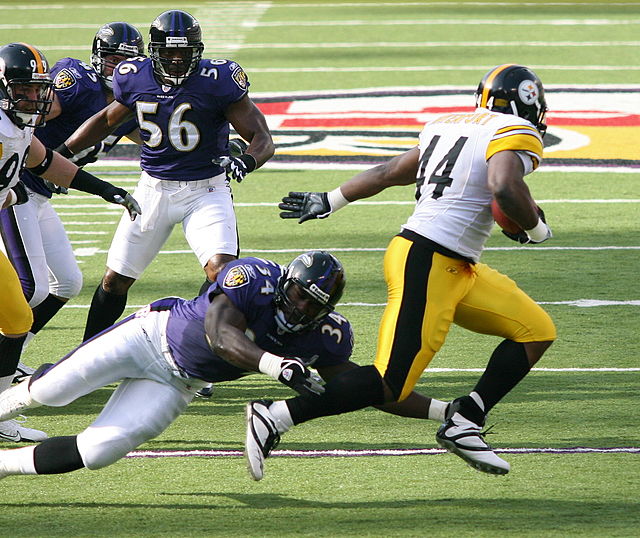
x=175, y=46
x=315, y=279
x=114, y=38
x=514, y=89
x=26, y=88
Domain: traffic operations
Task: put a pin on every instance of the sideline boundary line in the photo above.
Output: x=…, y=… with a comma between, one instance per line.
x=372, y=452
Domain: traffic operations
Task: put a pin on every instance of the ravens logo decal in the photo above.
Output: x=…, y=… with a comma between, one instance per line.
x=64, y=79
x=236, y=277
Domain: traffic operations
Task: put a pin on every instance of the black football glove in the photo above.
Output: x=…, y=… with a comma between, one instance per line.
x=523, y=238
x=305, y=206
x=294, y=374
x=236, y=167
x=22, y=196
x=128, y=202
x=55, y=189
x=119, y=196
x=87, y=156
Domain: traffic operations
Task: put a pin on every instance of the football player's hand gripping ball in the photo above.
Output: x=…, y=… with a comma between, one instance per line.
x=305, y=206
x=524, y=239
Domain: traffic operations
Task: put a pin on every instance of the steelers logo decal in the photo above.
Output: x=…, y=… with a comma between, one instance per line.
x=528, y=92
x=236, y=277
x=64, y=79
x=240, y=78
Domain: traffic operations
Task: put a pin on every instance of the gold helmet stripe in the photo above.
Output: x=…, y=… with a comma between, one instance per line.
x=488, y=83
x=40, y=63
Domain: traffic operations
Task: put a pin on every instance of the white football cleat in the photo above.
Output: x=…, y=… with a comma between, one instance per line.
x=16, y=399
x=465, y=439
x=262, y=436
x=12, y=430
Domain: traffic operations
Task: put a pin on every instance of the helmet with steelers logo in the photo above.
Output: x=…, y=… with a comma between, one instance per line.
x=514, y=89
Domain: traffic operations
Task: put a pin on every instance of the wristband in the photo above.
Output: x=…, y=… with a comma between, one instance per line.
x=270, y=364
x=63, y=150
x=336, y=199
x=539, y=232
x=249, y=161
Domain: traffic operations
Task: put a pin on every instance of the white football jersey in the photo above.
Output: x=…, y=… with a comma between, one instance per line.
x=454, y=200
x=14, y=146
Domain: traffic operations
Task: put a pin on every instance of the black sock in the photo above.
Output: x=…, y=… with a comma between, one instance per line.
x=205, y=286
x=105, y=309
x=10, y=351
x=349, y=391
x=45, y=311
x=507, y=366
x=57, y=455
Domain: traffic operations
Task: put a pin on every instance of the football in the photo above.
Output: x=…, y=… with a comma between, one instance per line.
x=502, y=220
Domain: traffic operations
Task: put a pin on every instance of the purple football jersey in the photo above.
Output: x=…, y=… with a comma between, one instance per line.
x=183, y=127
x=250, y=283
x=81, y=95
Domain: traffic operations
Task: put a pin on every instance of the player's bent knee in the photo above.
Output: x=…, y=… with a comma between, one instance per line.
x=101, y=446
x=69, y=287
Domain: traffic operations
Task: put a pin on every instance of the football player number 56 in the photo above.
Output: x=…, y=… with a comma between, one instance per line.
x=182, y=134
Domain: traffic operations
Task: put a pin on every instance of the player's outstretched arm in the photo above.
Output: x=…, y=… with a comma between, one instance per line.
x=95, y=129
x=59, y=170
x=400, y=170
x=225, y=327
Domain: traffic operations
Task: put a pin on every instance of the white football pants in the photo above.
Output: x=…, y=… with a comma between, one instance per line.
x=152, y=394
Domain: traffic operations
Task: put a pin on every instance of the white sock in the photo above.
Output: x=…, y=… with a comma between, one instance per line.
x=5, y=382
x=30, y=336
x=476, y=398
x=18, y=460
x=437, y=410
x=280, y=412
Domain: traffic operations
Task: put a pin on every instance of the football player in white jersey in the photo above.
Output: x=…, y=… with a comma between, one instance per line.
x=432, y=269
x=33, y=237
x=26, y=95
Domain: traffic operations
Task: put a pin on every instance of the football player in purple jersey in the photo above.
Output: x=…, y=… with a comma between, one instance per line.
x=184, y=106
x=256, y=316
x=33, y=237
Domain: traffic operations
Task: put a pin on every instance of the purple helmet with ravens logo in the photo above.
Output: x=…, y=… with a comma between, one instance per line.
x=114, y=39
x=308, y=291
x=514, y=89
x=26, y=88
x=175, y=46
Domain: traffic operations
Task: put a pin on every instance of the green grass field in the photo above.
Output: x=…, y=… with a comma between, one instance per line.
x=584, y=393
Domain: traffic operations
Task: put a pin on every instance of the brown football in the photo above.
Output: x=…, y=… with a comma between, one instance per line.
x=502, y=220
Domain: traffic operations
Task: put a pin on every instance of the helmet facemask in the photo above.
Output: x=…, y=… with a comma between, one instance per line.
x=28, y=101
x=174, y=62
x=297, y=309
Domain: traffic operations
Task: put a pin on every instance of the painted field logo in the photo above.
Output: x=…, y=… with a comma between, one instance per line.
x=587, y=126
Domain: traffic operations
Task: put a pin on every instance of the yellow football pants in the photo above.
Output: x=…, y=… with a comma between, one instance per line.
x=428, y=291
x=15, y=314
